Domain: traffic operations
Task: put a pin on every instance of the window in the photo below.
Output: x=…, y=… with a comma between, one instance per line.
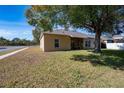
x=56, y=43
x=87, y=43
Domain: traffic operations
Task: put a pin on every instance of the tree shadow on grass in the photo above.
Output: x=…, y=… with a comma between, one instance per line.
x=111, y=58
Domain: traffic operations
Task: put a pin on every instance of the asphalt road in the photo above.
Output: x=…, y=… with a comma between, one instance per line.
x=6, y=48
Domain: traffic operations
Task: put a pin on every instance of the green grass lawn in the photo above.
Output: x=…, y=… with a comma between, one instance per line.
x=80, y=68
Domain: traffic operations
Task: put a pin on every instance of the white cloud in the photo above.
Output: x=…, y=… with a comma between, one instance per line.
x=10, y=33
x=4, y=32
x=26, y=32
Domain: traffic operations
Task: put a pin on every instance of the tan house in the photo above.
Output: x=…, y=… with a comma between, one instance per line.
x=65, y=40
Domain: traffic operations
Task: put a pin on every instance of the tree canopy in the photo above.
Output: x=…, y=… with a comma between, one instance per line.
x=97, y=19
x=15, y=41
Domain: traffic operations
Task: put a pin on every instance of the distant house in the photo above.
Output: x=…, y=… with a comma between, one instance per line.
x=115, y=42
x=105, y=40
x=118, y=39
x=65, y=40
x=113, y=39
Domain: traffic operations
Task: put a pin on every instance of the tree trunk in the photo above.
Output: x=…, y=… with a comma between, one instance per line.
x=97, y=42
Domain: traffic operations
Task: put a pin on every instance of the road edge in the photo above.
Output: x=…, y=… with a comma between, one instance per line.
x=12, y=53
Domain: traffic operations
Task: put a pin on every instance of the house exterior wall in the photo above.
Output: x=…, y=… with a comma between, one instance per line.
x=92, y=45
x=42, y=43
x=48, y=42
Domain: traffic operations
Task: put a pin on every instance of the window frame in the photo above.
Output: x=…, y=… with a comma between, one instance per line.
x=88, y=43
x=56, y=43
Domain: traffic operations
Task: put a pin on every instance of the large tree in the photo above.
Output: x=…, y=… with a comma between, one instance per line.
x=36, y=34
x=41, y=18
x=47, y=18
x=97, y=19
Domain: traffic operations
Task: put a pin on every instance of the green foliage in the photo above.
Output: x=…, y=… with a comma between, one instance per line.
x=94, y=18
x=4, y=41
x=48, y=17
x=36, y=34
x=40, y=16
x=15, y=41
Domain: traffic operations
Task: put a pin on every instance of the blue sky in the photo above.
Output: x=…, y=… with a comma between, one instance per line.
x=13, y=22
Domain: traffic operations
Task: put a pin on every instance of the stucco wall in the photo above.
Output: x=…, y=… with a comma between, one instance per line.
x=42, y=43
x=92, y=45
x=65, y=42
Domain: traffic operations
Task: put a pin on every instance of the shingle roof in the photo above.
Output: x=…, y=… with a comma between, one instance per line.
x=80, y=35
x=106, y=38
x=118, y=37
x=70, y=33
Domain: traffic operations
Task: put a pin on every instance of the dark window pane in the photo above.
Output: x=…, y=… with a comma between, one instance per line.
x=56, y=43
x=88, y=43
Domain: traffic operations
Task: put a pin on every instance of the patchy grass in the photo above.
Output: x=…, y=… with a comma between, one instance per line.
x=33, y=68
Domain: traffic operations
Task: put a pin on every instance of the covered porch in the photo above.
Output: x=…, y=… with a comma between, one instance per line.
x=76, y=43
x=82, y=43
